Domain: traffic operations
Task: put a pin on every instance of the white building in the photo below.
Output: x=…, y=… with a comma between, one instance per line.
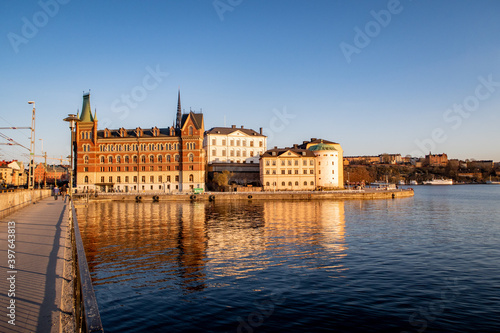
x=234, y=145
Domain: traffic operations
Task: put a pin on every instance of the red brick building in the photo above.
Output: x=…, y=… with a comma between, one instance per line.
x=436, y=160
x=140, y=160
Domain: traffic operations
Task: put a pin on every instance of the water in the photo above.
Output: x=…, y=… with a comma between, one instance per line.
x=430, y=263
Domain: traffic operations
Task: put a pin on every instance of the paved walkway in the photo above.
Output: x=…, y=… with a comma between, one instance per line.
x=40, y=233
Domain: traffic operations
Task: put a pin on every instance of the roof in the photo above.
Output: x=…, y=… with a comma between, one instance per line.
x=316, y=141
x=86, y=115
x=229, y=130
x=197, y=119
x=322, y=146
x=115, y=133
x=280, y=151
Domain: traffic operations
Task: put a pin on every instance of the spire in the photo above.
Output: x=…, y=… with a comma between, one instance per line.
x=86, y=115
x=179, y=112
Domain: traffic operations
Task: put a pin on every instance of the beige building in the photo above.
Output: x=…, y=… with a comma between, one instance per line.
x=234, y=145
x=313, y=165
x=288, y=169
x=12, y=174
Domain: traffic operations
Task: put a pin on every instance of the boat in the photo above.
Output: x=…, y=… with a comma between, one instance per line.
x=383, y=185
x=413, y=182
x=492, y=182
x=439, y=182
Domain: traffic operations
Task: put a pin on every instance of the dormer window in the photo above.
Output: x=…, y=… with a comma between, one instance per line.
x=106, y=133
x=123, y=132
x=138, y=132
x=155, y=131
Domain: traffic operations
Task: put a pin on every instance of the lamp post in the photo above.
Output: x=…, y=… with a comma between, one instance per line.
x=72, y=119
x=31, y=181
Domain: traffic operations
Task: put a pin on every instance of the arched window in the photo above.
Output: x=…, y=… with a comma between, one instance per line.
x=190, y=130
x=289, y=183
x=118, y=159
x=267, y=183
x=143, y=159
x=282, y=183
x=296, y=183
x=102, y=160
x=190, y=157
x=110, y=159
x=160, y=158
x=168, y=158
x=312, y=183
x=86, y=179
x=86, y=159
x=305, y=183
x=177, y=158
x=127, y=160
x=191, y=178
x=135, y=158
x=151, y=159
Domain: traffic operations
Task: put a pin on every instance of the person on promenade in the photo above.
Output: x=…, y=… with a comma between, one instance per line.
x=56, y=192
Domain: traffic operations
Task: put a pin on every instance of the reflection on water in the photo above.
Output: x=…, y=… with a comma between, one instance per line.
x=298, y=266
x=173, y=244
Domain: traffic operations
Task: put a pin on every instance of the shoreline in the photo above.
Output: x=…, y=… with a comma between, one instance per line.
x=367, y=194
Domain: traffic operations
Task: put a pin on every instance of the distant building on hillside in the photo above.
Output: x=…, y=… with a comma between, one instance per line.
x=436, y=160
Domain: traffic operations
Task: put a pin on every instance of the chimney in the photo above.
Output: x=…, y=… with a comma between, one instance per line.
x=260, y=131
x=275, y=147
x=295, y=146
x=233, y=126
x=241, y=126
x=313, y=139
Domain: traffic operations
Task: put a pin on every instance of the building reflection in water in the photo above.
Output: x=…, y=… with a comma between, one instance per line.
x=192, y=246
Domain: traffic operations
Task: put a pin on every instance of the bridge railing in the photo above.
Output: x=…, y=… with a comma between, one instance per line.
x=87, y=317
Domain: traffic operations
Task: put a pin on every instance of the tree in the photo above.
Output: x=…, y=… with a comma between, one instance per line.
x=222, y=179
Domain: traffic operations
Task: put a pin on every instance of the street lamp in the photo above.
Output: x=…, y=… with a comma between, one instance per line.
x=72, y=119
x=31, y=182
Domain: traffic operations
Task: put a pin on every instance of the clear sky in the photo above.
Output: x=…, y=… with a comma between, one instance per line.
x=376, y=76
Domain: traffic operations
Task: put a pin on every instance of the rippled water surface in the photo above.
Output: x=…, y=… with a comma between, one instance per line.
x=428, y=263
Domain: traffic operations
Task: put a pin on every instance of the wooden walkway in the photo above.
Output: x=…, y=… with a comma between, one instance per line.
x=37, y=273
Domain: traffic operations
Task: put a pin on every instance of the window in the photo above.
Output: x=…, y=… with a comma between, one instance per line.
x=86, y=179
x=283, y=172
x=168, y=158
x=244, y=143
x=289, y=162
x=231, y=142
x=290, y=171
x=168, y=179
x=177, y=158
x=237, y=153
x=333, y=171
x=143, y=168
x=191, y=178
x=238, y=142
x=267, y=171
x=126, y=179
x=223, y=142
x=305, y=171
x=251, y=153
x=190, y=157
x=143, y=159
x=289, y=183
x=127, y=160
x=118, y=169
x=214, y=152
x=213, y=141
x=126, y=168
x=135, y=168
x=160, y=168
x=110, y=159
x=118, y=179
x=274, y=162
x=312, y=183
x=102, y=179
x=296, y=171
x=110, y=179
x=190, y=130
x=267, y=183
x=296, y=183
x=251, y=143
x=110, y=169
x=274, y=171
x=260, y=143
x=282, y=183
x=160, y=159
x=232, y=152
x=268, y=162
x=86, y=159
x=151, y=168
x=190, y=167
x=151, y=159
x=135, y=179
x=151, y=179
x=176, y=178
x=143, y=179
x=118, y=159
x=311, y=171
x=296, y=162
x=311, y=162
x=305, y=183
x=223, y=152
x=160, y=179
x=135, y=159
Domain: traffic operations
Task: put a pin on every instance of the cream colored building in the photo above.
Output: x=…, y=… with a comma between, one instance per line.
x=313, y=165
x=288, y=169
x=234, y=145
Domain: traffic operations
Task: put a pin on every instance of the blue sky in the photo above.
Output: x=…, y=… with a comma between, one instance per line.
x=376, y=76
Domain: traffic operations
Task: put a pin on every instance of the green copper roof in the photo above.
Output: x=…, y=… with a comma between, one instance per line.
x=86, y=113
x=322, y=146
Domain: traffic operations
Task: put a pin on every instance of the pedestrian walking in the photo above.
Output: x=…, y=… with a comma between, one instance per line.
x=56, y=192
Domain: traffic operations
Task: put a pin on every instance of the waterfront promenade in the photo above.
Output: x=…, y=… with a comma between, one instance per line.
x=36, y=274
